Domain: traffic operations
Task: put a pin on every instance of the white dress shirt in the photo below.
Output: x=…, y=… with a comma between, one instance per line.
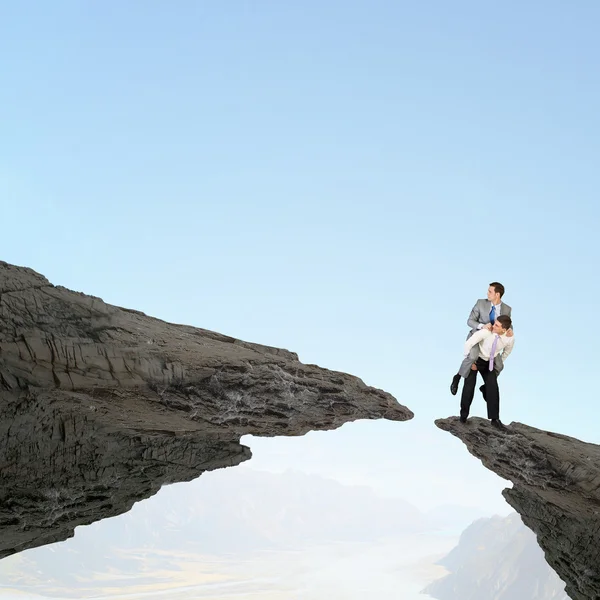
x=485, y=339
x=498, y=313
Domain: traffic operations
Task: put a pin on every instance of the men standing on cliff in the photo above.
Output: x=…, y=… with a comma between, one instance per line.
x=483, y=315
x=488, y=345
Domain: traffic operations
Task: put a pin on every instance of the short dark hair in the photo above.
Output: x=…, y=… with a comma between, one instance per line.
x=505, y=321
x=498, y=287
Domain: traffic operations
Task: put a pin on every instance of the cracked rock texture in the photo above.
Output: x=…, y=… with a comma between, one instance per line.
x=101, y=406
x=556, y=490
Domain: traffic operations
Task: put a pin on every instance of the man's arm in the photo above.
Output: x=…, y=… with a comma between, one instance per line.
x=474, y=318
x=508, y=348
x=511, y=331
x=475, y=339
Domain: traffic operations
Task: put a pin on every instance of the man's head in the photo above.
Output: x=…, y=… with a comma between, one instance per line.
x=495, y=292
x=502, y=324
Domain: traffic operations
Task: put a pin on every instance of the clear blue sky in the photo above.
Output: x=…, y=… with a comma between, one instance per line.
x=342, y=179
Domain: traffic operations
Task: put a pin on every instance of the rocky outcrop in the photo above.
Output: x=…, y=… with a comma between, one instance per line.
x=556, y=490
x=101, y=406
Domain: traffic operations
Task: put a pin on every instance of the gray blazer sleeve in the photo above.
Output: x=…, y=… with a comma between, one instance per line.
x=475, y=317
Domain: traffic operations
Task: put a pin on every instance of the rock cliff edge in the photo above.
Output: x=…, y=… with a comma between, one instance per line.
x=556, y=490
x=100, y=406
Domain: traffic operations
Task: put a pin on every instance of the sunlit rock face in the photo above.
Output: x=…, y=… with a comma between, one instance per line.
x=101, y=406
x=556, y=490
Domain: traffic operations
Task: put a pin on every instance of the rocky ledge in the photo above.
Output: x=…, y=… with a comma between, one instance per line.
x=100, y=406
x=556, y=490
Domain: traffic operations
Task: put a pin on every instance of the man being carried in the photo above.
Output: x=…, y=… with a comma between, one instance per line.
x=482, y=316
x=489, y=344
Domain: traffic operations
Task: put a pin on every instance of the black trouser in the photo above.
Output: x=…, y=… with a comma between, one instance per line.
x=492, y=391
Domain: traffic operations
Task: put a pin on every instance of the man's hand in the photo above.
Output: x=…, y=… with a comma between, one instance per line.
x=473, y=367
x=509, y=333
x=488, y=327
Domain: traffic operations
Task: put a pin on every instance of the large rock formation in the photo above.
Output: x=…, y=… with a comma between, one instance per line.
x=100, y=406
x=556, y=490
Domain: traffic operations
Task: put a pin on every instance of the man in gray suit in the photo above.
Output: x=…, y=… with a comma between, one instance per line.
x=483, y=316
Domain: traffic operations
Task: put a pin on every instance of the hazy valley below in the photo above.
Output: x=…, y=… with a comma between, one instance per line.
x=244, y=534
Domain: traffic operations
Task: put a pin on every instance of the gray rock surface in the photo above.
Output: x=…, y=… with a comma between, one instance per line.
x=101, y=406
x=556, y=490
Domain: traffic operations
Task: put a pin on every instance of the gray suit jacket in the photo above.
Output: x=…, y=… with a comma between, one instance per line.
x=480, y=313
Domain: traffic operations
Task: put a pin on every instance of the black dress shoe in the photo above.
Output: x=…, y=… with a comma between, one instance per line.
x=498, y=424
x=482, y=390
x=454, y=384
x=463, y=419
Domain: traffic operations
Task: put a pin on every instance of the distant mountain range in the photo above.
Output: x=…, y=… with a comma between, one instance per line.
x=224, y=513
x=247, y=510
x=228, y=516
x=497, y=559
